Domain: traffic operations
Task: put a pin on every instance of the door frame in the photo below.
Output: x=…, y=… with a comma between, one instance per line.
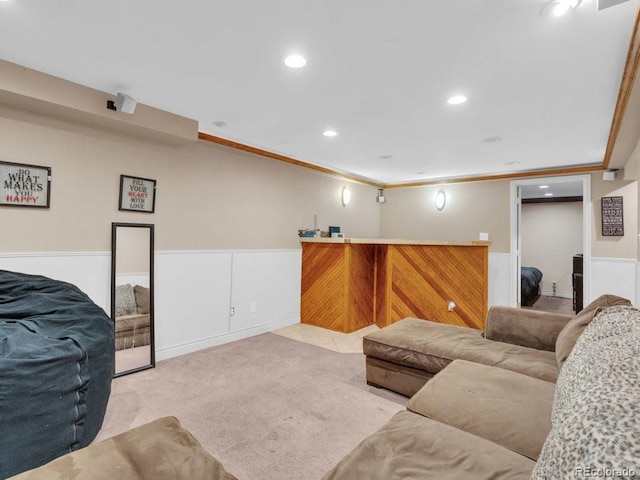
x=515, y=218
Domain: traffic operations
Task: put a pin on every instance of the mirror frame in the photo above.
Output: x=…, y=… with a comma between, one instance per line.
x=114, y=241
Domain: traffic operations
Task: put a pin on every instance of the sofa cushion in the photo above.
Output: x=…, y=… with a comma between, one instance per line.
x=411, y=446
x=526, y=327
x=508, y=408
x=570, y=333
x=431, y=346
x=142, y=299
x=595, y=418
x=160, y=450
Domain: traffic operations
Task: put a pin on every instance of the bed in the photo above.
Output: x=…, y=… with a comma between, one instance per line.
x=530, y=278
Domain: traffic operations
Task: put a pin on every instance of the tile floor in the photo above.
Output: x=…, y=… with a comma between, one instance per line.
x=321, y=337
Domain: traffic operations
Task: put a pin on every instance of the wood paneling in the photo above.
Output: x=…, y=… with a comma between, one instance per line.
x=337, y=286
x=347, y=286
x=423, y=279
x=361, y=287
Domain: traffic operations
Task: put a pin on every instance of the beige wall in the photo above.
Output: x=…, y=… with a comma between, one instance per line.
x=132, y=252
x=551, y=235
x=471, y=208
x=208, y=197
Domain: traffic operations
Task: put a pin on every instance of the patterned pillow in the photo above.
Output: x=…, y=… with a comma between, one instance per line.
x=572, y=330
x=125, y=300
x=596, y=409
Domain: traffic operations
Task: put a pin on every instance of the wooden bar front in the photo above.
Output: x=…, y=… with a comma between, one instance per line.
x=349, y=284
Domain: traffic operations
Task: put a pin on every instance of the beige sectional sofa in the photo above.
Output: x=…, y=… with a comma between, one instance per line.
x=404, y=355
x=160, y=450
x=491, y=416
x=132, y=324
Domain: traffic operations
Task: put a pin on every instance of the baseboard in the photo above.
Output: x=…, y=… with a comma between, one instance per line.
x=190, y=347
x=549, y=293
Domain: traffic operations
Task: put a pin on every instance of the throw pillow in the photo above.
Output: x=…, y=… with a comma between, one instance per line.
x=125, y=300
x=572, y=330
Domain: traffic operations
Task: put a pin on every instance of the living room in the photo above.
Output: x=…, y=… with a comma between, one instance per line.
x=226, y=220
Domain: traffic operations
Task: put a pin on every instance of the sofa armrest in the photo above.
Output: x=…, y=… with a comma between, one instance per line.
x=528, y=328
x=161, y=450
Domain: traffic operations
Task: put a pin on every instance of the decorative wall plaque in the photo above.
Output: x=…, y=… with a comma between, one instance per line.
x=612, y=217
x=137, y=194
x=24, y=185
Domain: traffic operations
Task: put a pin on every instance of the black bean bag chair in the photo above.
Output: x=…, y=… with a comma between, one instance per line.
x=56, y=364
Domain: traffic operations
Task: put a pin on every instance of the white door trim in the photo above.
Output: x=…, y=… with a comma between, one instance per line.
x=586, y=229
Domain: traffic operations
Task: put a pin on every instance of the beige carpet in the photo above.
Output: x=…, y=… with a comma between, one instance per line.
x=267, y=407
x=553, y=304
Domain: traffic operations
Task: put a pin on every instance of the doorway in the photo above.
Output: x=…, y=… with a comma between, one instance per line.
x=550, y=244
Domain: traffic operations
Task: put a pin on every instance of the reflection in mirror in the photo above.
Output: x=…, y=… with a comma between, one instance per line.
x=132, y=296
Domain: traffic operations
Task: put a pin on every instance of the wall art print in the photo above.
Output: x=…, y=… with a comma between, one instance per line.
x=137, y=194
x=24, y=185
x=612, y=217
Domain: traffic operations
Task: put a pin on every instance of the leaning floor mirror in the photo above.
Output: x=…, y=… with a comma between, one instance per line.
x=132, y=296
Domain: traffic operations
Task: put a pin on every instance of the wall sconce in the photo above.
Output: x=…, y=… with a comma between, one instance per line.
x=346, y=196
x=441, y=199
x=381, y=198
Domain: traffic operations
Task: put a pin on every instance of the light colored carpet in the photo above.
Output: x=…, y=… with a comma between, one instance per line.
x=268, y=407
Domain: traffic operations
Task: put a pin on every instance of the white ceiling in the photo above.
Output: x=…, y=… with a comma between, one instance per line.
x=557, y=189
x=379, y=72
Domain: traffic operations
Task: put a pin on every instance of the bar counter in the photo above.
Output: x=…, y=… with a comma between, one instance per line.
x=349, y=283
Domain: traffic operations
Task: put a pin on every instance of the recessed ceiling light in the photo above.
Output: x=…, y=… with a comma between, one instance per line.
x=295, y=61
x=492, y=139
x=456, y=100
x=330, y=133
x=548, y=194
x=421, y=173
x=385, y=157
x=558, y=8
x=220, y=124
x=513, y=162
x=543, y=186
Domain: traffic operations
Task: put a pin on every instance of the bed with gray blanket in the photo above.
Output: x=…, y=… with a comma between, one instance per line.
x=530, y=278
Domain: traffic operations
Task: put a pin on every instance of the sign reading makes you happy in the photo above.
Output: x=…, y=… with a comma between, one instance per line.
x=24, y=185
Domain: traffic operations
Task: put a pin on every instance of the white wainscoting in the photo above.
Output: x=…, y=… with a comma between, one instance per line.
x=194, y=291
x=613, y=275
x=89, y=271
x=255, y=275
x=500, y=279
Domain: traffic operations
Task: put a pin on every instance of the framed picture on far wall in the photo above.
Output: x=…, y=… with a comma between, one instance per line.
x=612, y=217
x=24, y=185
x=137, y=194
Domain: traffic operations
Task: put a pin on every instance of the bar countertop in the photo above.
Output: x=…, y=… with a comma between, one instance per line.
x=395, y=241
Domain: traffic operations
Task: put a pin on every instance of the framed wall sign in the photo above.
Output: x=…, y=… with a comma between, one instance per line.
x=137, y=194
x=24, y=185
x=612, y=217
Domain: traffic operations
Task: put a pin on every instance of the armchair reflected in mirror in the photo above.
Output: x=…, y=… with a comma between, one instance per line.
x=132, y=296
